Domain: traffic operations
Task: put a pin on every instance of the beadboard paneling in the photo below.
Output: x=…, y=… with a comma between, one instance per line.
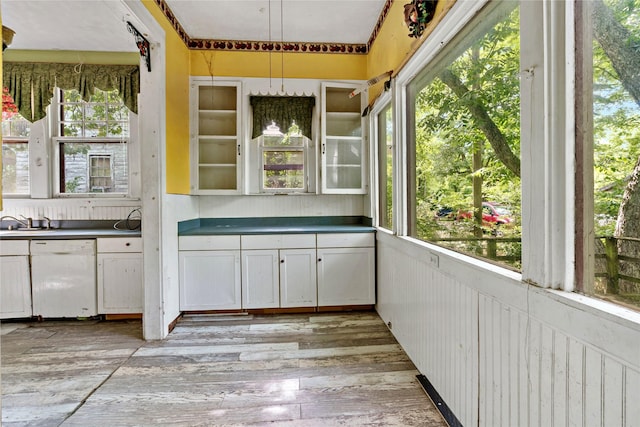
x=506, y=354
x=70, y=209
x=281, y=205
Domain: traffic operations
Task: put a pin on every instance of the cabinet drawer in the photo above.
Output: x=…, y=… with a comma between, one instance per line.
x=208, y=243
x=14, y=247
x=120, y=244
x=346, y=240
x=279, y=241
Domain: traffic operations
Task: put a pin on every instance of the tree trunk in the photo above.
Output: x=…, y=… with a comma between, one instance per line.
x=615, y=40
x=491, y=131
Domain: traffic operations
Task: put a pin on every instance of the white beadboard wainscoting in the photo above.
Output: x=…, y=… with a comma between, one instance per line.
x=503, y=353
x=70, y=208
x=282, y=205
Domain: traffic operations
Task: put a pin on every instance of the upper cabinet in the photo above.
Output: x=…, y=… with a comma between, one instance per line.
x=216, y=142
x=343, y=142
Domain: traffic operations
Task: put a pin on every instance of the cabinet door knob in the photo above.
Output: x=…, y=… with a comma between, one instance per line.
x=128, y=244
x=319, y=259
x=281, y=261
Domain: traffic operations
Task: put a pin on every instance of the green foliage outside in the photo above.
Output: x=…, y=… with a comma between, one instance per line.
x=103, y=116
x=283, y=166
x=448, y=134
x=616, y=121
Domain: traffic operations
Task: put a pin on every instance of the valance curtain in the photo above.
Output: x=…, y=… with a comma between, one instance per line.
x=31, y=84
x=282, y=110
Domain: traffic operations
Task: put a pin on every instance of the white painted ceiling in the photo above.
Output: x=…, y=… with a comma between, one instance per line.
x=100, y=25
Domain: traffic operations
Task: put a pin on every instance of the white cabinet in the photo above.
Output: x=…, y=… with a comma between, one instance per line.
x=278, y=271
x=120, y=282
x=260, y=279
x=209, y=273
x=215, y=137
x=298, y=278
x=346, y=269
x=343, y=148
x=15, y=289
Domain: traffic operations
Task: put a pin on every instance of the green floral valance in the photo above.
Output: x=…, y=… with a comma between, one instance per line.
x=283, y=110
x=31, y=84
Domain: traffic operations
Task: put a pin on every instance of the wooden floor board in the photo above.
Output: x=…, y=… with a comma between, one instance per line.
x=285, y=370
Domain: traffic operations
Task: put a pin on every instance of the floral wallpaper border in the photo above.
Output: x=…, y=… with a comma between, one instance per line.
x=257, y=46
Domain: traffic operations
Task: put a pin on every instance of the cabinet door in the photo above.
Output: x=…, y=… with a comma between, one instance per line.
x=298, y=278
x=343, y=149
x=346, y=276
x=210, y=280
x=216, y=137
x=120, y=286
x=260, y=281
x=15, y=292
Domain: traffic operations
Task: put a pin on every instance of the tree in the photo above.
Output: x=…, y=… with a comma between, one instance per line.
x=617, y=90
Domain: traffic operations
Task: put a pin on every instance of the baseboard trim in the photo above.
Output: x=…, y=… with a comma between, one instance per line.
x=446, y=412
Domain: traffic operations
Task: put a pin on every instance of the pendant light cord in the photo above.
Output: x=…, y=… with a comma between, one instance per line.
x=270, y=47
x=282, y=45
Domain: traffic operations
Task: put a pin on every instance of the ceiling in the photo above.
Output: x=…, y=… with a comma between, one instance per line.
x=100, y=25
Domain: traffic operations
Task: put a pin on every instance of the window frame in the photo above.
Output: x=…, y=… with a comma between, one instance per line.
x=380, y=106
x=469, y=24
x=303, y=148
x=548, y=257
x=44, y=176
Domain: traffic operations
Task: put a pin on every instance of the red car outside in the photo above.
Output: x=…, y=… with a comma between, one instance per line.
x=492, y=215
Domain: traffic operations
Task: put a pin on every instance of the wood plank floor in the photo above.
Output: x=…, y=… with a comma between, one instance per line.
x=342, y=369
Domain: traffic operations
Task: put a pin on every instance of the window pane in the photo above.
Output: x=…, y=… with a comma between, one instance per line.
x=15, y=148
x=15, y=167
x=93, y=167
x=616, y=138
x=385, y=166
x=464, y=183
x=283, y=169
x=104, y=116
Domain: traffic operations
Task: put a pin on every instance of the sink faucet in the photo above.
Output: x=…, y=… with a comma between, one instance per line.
x=27, y=224
x=29, y=221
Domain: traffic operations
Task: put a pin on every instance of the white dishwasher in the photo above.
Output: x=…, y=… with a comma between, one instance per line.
x=63, y=278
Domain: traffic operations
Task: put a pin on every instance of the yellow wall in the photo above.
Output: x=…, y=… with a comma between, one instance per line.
x=177, y=114
x=296, y=65
x=393, y=46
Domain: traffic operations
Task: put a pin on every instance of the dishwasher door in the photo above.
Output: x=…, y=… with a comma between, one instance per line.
x=63, y=278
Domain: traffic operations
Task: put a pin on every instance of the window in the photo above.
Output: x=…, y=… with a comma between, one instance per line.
x=100, y=173
x=283, y=159
x=464, y=165
x=616, y=150
x=385, y=167
x=15, y=149
x=91, y=149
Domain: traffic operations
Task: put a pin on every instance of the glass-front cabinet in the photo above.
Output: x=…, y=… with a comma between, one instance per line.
x=216, y=143
x=343, y=142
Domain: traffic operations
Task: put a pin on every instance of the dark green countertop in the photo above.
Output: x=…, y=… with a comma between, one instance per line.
x=275, y=225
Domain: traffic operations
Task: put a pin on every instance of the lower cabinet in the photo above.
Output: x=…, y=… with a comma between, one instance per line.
x=15, y=277
x=276, y=271
x=273, y=276
x=209, y=273
x=346, y=269
x=120, y=281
